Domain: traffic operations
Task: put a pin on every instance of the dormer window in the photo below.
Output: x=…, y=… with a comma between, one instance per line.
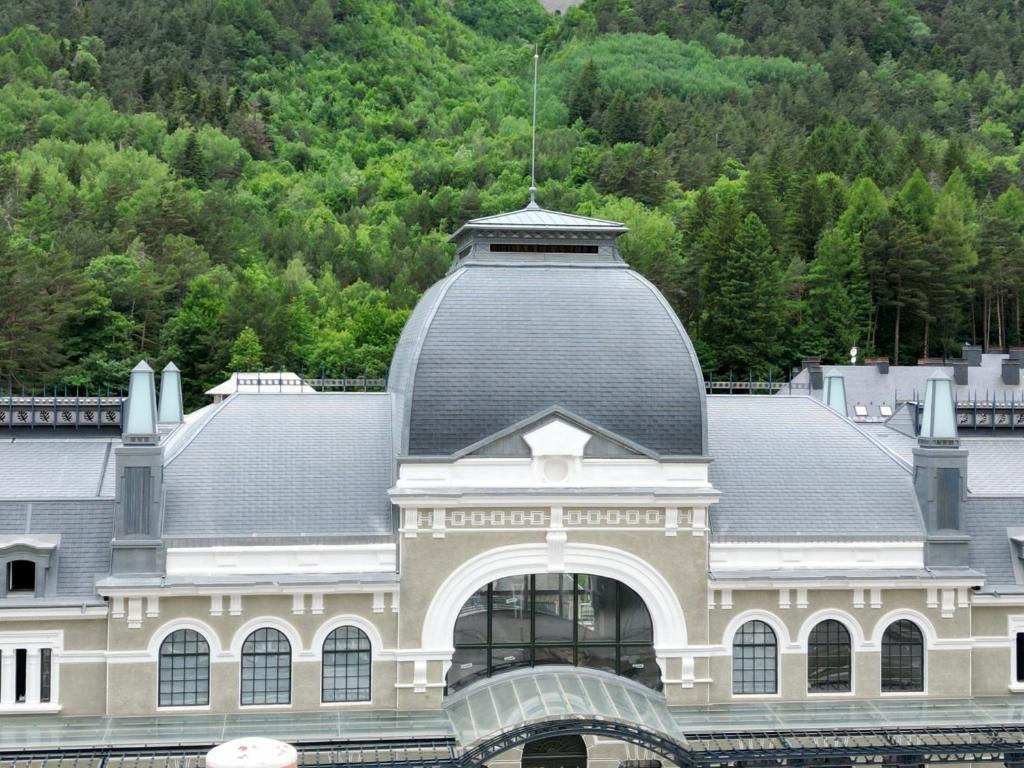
x=27, y=562
x=21, y=577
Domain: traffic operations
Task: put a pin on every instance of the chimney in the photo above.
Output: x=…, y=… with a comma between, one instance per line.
x=1017, y=353
x=972, y=353
x=813, y=367
x=835, y=392
x=1011, y=372
x=171, y=411
x=881, y=363
x=136, y=547
x=960, y=372
x=940, y=476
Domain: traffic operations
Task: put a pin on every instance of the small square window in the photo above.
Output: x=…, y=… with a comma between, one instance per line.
x=885, y=410
x=21, y=576
x=860, y=410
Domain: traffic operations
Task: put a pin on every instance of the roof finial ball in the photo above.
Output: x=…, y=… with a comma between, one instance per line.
x=139, y=424
x=835, y=391
x=938, y=421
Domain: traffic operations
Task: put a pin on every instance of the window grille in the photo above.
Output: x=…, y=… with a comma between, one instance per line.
x=902, y=657
x=828, y=658
x=266, y=668
x=346, y=669
x=755, y=659
x=184, y=670
x=136, y=499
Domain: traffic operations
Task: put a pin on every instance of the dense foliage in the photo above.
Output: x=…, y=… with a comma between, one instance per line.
x=269, y=184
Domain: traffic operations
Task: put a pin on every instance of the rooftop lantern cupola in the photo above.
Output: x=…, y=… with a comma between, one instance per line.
x=140, y=419
x=171, y=411
x=835, y=392
x=940, y=476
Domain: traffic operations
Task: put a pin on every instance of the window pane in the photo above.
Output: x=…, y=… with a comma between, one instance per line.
x=640, y=664
x=510, y=610
x=636, y=626
x=266, y=668
x=554, y=654
x=471, y=626
x=554, y=596
x=598, y=657
x=503, y=659
x=184, y=670
x=346, y=666
x=902, y=657
x=468, y=664
x=598, y=602
x=755, y=659
x=828, y=658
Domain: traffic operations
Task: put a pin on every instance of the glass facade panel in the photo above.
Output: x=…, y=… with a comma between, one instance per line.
x=266, y=668
x=346, y=667
x=902, y=658
x=184, y=670
x=828, y=658
x=755, y=659
x=554, y=618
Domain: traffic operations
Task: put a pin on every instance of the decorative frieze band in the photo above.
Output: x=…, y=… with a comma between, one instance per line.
x=439, y=520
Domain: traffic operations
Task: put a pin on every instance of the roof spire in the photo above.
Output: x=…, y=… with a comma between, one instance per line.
x=533, y=146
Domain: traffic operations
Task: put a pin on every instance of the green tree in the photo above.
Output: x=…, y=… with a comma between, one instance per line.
x=837, y=297
x=246, y=352
x=746, y=315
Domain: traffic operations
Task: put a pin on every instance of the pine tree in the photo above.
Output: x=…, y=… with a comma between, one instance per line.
x=746, y=313
x=146, y=87
x=193, y=164
x=906, y=272
x=585, y=93
x=620, y=120
x=837, y=298
x=246, y=352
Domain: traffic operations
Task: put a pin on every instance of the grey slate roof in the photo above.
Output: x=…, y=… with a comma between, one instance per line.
x=533, y=217
x=41, y=468
x=283, y=464
x=988, y=522
x=85, y=529
x=790, y=468
x=866, y=385
x=491, y=345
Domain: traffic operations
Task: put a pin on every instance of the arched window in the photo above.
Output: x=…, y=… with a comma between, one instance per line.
x=755, y=659
x=184, y=669
x=555, y=752
x=902, y=657
x=346, y=666
x=554, y=618
x=828, y=658
x=266, y=668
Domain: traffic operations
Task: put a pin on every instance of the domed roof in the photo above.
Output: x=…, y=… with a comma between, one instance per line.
x=534, y=316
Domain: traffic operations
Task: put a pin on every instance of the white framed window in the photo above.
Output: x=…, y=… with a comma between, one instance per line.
x=29, y=674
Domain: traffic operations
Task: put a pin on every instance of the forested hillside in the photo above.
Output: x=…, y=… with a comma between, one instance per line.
x=238, y=184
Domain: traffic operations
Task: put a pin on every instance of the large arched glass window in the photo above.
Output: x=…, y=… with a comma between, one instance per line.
x=828, y=658
x=184, y=670
x=902, y=657
x=266, y=668
x=346, y=666
x=554, y=618
x=755, y=659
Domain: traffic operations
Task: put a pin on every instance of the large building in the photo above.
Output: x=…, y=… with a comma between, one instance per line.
x=542, y=544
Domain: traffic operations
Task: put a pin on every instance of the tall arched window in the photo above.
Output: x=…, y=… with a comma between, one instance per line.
x=902, y=657
x=828, y=658
x=755, y=659
x=266, y=668
x=554, y=618
x=184, y=670
x=346, y=666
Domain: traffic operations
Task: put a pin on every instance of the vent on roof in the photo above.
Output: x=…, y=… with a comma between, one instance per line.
x=885, y=410
x=541, y=248
x=1011, y=372
x=972, y=353
x=960, y=373
x=860, y=410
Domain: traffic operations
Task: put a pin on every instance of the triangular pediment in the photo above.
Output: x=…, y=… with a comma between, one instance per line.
x=555, y=431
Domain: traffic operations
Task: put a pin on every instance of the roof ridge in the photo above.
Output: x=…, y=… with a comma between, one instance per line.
x=896, y=458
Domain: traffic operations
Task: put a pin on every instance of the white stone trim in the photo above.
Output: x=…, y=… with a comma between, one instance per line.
x=62, y=614
x=862, y=555
x=33, y=641
x=262, y=560
x=923, y=623
x=857, y=640
x=670, y=638
x=785, y=644
x=348, y=620
x=217, y=653
x=238, y=639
